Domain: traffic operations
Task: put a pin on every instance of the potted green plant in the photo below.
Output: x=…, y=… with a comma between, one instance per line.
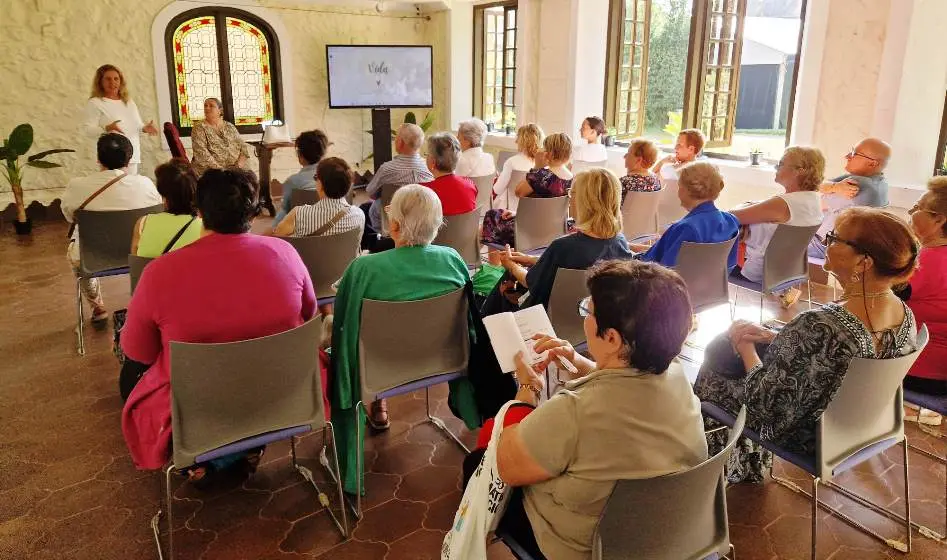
x=510, y=123
x=15, y=146
x=610, y=134
x=755, y=155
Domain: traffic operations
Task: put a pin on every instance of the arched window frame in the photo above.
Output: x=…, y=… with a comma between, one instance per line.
x=219, y=14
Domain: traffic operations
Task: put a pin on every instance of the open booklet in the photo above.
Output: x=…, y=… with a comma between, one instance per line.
x=512, y=332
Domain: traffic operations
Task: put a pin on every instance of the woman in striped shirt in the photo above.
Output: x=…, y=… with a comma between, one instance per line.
x=332, y=214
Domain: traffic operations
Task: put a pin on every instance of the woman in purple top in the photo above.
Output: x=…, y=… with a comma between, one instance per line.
x=551, y=178
x=203, y=293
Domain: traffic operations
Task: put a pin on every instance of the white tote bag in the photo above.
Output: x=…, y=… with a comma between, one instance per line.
x=482, y=506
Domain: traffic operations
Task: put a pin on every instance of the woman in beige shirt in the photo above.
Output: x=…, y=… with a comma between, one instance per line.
x=627, y=414
x=215, y=142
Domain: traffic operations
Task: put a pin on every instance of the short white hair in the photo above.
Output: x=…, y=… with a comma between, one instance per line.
x=472, y=131
x=412, y=135
x=418, y=211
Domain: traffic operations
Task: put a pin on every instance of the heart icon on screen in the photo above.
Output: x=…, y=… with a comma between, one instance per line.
x=378, y=82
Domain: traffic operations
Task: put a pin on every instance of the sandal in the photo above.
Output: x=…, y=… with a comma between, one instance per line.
x=378, y=416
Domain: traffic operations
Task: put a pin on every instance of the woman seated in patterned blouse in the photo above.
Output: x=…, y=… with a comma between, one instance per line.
x=551, y=178
x=332, y=214
x=640, y=158
x=787, y=380
x=216, y=143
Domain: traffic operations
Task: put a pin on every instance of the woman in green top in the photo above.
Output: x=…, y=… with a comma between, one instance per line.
x=177, y=185
x=413, y=270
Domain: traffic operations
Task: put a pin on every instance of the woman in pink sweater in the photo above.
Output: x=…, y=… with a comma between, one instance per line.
x=206, y=292
x=927, y=297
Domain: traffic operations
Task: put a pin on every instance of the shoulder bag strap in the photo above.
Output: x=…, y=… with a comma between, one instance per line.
x=178, y=235
x=328, y=225
x=72, y=227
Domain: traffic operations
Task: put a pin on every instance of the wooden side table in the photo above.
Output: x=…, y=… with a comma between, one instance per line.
x=264, y=154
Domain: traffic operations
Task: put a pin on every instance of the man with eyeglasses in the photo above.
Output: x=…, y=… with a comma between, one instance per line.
x=863, y=184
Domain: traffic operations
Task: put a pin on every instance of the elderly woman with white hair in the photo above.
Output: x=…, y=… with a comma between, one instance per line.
x=473, y=161
x=415, y=269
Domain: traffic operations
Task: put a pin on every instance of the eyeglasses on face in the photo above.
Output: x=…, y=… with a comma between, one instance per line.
x=585, y=306
x=916, y=208
x=831, y=237
x=852, y=154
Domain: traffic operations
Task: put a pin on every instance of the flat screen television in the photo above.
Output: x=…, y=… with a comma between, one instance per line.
x=376, y=76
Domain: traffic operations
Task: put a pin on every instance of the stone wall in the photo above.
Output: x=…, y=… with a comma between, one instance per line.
x=52, y=48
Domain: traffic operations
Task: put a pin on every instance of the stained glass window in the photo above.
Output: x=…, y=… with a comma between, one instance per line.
x=225, y=54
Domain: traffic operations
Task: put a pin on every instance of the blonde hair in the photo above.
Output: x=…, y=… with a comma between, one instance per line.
x=529, y=139
x=644, y=149
x=597, y=195
x=694, y=137
x=937, y=189
x=99, y=91
x=702, y=180
x=809, y=164
x=558, y=147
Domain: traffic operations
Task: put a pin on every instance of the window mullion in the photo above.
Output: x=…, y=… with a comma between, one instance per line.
x=223, y=64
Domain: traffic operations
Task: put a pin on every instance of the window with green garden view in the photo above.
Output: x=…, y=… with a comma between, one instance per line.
x=727, y=67
x=495, y=64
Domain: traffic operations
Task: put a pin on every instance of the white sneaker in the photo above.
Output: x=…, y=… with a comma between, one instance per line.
x=925, y=417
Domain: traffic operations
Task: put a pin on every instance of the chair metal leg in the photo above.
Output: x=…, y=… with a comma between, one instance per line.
x=156, y=519
x=761, y=307
x=815, y=516
x=732, y=555
x=809, y=292
x=893, y=543
x=438, y=423
x=359, y=460
x=323, y=499
x=907, y=492
x=79, y=321
x=927, y=531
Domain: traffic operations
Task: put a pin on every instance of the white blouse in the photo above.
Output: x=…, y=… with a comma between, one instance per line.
x=101, y=112
x=805, y=209
x=506, y=197
x=474, y=162
x=589, y=152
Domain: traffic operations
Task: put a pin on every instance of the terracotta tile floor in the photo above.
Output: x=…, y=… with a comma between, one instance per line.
x=69, y=491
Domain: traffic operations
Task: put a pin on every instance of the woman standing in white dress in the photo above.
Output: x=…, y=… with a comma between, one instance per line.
x=110, y=109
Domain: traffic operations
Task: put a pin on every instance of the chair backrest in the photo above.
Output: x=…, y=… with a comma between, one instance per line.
x=326, y=257
x=516, y=177
x=669, y=209
x=502, y=156
x=484, y=191
x=136, y=265
x=539, y=221
x=222, y=393
x=303, y=196
x=387, y=193
x=867, y=409
x=703, y=266
x=462, y=233
x=785, y=259
x=105, y=237
x=568, y=289
x=404, y=341
x=639, y=213
x=678, y=516
x=174, y=141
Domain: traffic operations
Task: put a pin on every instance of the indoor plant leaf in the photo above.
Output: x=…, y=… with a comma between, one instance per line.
x=42, y=164
x=21, y=139
x=41, y=155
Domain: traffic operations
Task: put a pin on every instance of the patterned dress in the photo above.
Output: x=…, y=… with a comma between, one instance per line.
x=216, y=147
x=800, y=373
x=545, y=184
x=639, y=183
